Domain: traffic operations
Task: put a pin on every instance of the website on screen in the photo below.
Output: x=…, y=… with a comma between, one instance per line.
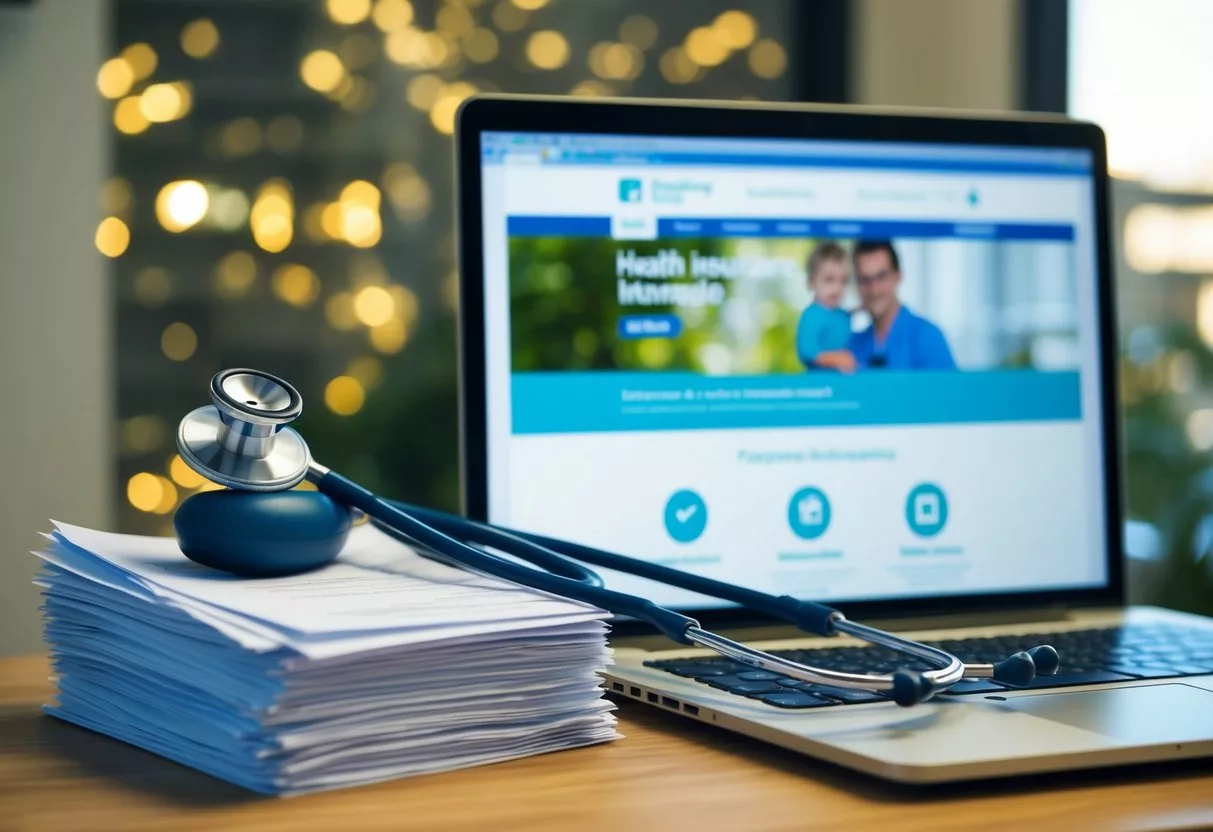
x=833, y=370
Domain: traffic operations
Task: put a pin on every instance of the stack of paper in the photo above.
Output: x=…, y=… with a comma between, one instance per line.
x=381, y=665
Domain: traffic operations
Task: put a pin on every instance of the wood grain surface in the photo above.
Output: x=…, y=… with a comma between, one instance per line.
x=666, y=775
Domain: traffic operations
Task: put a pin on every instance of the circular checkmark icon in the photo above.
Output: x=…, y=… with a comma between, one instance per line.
x=686, y=516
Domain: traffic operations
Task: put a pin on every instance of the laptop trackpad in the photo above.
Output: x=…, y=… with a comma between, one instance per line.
x=1166, y=713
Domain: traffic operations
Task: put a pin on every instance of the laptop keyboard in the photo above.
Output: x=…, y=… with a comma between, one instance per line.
x=1114, y=654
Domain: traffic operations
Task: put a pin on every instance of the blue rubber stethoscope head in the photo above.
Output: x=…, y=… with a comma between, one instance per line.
x=257, y=527
x=262, y=534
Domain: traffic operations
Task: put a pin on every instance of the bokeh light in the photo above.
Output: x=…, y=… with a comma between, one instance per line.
x=142, y=59
x=507, y=17
x=677, y=68
x=181, y=205
x=529, y=5
x=357, y=50
x=272, y=216
x=547, y=49
x=322, y=71
x=229, y=209
x=366, y=370
x=768, y=59
x=455, y=20
x=359, y=96
x=145, y=491
x=348, y=12
x=423, y=89
x=442, y=115
x=639, y=30
x=113, y=237
x=295, y=284
x=481, y=46
x=374, y=306
x=344, y=396
x=178, y=341
x=408, y=192
x=115, y=78
x=200, y=38
x=735, y=29
x=390, y=337
x=240, y=137
x=705, y=48
x=183, y=475
x=339, y=312
x=392, y=15
x=161, y=103
x=616, y=61
x=591, y=88
x=128, y=116
x=235, y=275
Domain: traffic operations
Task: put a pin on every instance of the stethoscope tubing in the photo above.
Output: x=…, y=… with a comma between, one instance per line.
x=238, y=443
x=448, y=538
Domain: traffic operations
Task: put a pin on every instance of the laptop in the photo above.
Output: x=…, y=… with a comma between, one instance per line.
x=865, y=358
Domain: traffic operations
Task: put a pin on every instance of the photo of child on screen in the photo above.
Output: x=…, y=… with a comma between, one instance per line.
x=823, y=335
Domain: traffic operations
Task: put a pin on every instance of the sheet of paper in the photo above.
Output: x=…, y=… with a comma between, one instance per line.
x=377, y=583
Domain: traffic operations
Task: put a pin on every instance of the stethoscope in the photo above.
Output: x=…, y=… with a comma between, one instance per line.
x=258, y=527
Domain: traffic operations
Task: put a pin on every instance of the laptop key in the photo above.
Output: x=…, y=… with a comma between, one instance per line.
x=793, y=699
x=847, y=695
x=760, y=676
x=735, y=684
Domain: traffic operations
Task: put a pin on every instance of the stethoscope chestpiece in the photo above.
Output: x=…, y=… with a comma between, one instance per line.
x=255, y=397
x=242, y=440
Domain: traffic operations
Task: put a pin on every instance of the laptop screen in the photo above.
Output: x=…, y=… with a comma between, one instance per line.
x=837, y=370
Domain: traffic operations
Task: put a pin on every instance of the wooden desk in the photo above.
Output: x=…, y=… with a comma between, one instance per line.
x=667, y=775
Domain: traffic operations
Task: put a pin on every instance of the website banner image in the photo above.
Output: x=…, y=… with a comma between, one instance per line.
x=718, y=324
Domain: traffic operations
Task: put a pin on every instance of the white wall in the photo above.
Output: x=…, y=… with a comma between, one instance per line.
x=936, y=53
x=55, y=335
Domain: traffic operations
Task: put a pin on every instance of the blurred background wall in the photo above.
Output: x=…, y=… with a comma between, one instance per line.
x=56, y=355
x=191, y=185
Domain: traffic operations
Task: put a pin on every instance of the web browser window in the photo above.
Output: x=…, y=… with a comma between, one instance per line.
x=838, y=370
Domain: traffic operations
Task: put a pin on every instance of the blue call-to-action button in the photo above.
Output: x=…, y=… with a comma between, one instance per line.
x=650, y=326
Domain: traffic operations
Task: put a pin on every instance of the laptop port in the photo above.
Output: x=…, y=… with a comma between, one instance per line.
x=669, y=703
x=653, y=698
x=635, y=691
x=617, y=686
x=693, y=710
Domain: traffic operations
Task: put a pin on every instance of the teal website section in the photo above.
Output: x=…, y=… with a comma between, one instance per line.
x=582, y=402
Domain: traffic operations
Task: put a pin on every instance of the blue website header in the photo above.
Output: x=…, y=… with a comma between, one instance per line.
x=522, y=226
x=580, y=149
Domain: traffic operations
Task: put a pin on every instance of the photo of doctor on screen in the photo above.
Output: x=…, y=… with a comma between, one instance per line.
x=897, y=338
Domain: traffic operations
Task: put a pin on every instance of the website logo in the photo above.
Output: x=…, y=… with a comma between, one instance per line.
x=675, y=191
x=629, y=190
